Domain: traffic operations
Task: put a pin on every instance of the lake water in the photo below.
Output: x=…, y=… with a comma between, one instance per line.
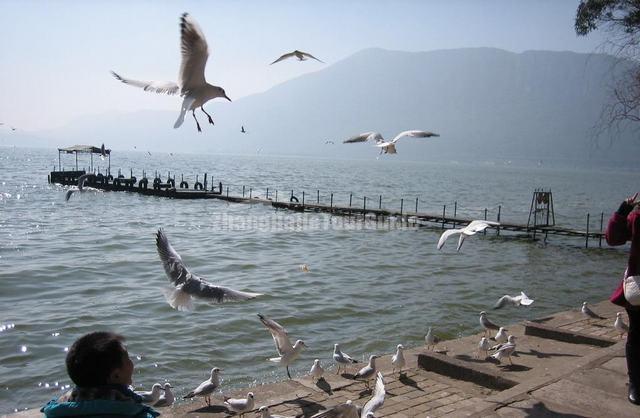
x=67, y=268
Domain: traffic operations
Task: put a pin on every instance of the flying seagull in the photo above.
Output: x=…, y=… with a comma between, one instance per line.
x=188, y=285
x=467, y=231
x=388, y=147
x=302, y=56
x=520, y=300
x=192, y=86
x=81, y=181
x=242, y=130
x=287, y=352
x=206, y=388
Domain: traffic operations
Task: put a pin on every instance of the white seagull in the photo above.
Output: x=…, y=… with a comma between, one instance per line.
x=483, y=346
x=81, y=181
x=398, y=361
x=167, y=399
x=388, y=147
x=206, y=388
x=471, y=229
x=521, y=299
x=506, y=349
x=240, y=406
x=316, y=371
x=431, y=340
x=193, y=85
x=187, y=284
x=351, y=410
x=620, y=325
x=302, y=56
x=502, y=336
x=152, y=396
x=586, y=311
x=486, y=324
x=343, y=359
x=368, y=371
x=264, y=412
x=288, y=353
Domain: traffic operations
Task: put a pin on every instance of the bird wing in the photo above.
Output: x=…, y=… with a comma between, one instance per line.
x=201, y=288
x=195, y=53
x=306, y=54
x=477, y=226
x=413, y=133
x=460, y=241
x=82, y=179
x=502, y=302
x=175, y=269
x=525, y=300
x=362, y=137
x=348, y=358
x=284, y=57
x=344, y=410
x=445, y=235
x=162, y=87
x=489, y=324
x=377, y=398
x=279, y=334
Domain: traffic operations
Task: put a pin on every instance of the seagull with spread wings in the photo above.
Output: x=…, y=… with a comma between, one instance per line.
x=193, y=86
x=387, y=147
x=521, y=300
x=471, y=229
x=187, y=285
x=287, y=352
x=301, y=55
x=81, y=181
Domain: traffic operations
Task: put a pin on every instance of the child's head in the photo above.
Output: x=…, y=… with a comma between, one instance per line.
x=99, y=358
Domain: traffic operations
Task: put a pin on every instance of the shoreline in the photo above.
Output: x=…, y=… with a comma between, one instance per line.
x=565, y=364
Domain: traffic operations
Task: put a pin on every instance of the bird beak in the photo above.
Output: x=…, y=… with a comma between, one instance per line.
x=227, y=97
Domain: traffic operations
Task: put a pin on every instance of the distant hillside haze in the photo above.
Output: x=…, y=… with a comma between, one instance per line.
x=485, y=103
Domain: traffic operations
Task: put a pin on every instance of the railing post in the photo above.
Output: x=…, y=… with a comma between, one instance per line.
x=318, y=197
x=455, y=212
x=401, y=206
x=364, y=207
x=267, y=193
x=350, y=198
x=331, y=203
x=227, y=191
x=416, y=206
x=243, y=191
x=380, y=202
x=498, y=219
x=303, y=198
x=250, y=192
x=276, y=195
x=586, y=241
x=485, y=218
x=444, y=213
x=601, y=231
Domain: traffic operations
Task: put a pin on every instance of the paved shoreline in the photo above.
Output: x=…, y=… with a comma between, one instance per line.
x=565, y=366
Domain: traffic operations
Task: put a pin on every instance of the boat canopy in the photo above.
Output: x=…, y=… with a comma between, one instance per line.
x=84, y=149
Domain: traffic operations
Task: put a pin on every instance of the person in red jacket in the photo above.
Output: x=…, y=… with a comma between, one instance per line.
x=624, y=225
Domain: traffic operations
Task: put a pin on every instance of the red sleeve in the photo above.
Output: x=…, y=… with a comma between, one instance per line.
x=618, y=230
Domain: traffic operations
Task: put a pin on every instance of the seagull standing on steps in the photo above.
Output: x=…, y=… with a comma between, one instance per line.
x=588, y=313
x=193, y=86
x=483, y=347
x=302, y=56
x=343, y=359
x=398, y=361
x=620, y=326
x=506, y=349
x=288, y=353
x=240, y=406
x=152, y=396
x=368, y=371
x=431, y=340
x=316, y=371
x=206, y=388
x=486, y=324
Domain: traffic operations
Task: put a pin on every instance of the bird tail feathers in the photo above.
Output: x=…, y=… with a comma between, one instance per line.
x=189, y=395
x=275, y=359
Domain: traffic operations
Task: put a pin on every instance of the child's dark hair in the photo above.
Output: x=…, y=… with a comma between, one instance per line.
x=93, y=357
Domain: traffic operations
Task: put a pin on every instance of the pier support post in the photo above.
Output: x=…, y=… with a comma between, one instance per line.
x=416, y=206
x=250, y=192
x=267, y=193
x=303, y=198
x=243, y=191
x=444, y=212
x=586, y=240
x=401, y=207
x=318, y=197
x=498, y=219
x=364, y=207
x=485, y=218
x=331, y=203
x=455, y=212
x=276, y=195
x=380, y=202
x=601, y=231
x=227, y=191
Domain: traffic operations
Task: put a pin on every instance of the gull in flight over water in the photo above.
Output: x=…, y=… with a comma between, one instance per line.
x=186, y=284
x=288, y=353
x=387, y=147
x=206, y=388
x=81, y=181
x=193, y=86
x=351, y=410
x=471, y=229
x=302, y=56
x=520, y=300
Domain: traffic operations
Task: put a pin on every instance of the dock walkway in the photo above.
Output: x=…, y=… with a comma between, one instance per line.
x=566, y=366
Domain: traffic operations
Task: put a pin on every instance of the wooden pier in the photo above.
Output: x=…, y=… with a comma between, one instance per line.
x=200, y=190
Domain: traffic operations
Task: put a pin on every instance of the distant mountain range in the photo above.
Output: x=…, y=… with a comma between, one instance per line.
x=485, y=103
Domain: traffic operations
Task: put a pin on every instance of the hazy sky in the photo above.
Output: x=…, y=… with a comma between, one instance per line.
x=56, y=55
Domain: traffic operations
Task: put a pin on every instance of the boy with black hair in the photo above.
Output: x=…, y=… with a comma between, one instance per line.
x=99, y=365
